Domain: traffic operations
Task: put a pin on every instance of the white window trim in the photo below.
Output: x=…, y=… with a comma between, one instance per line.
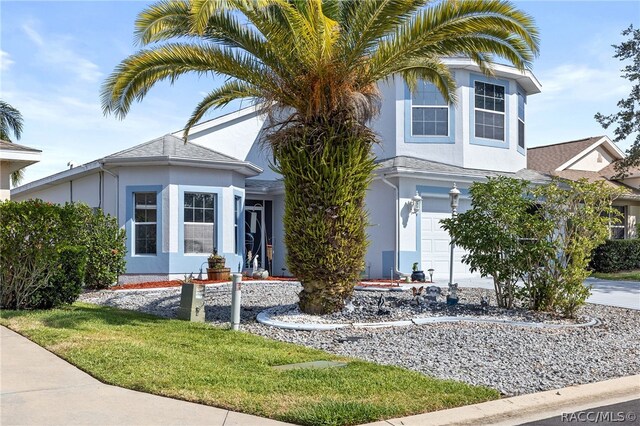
x=413, y=105
x=503, y=113
x=185, y=222
x=136, y=223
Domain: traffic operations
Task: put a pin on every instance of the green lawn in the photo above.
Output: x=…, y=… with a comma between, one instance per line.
x=232, y=370
x=623, y=275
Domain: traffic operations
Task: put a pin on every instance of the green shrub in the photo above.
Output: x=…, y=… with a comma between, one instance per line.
x=29, y=234
x=616, y=255
x=106, y=251
x=65, y=284
x=48, y=252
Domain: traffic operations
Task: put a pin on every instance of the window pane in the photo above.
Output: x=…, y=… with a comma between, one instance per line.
x=489, y=125
x=520, y=134
x=197, y=215
x=427, y=94
x=418, y=128
x=430, y=128
x=145, y=241
x=499, y=105
x=441, y=129
x=208, y=201
x=198, y=238
x=208, y=215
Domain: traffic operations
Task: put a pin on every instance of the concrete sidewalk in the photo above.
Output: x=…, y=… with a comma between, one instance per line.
x=623, y=294
x=38, y=388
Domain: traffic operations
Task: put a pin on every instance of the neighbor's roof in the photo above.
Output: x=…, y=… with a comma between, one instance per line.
x=548, y=158
x=418, y=165
x=5, y=145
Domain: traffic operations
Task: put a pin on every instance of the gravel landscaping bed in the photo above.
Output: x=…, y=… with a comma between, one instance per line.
x=515, y=360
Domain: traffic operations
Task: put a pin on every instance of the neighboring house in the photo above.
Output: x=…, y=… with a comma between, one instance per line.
x=593, y=159
x=177, y=202
x=14, y=157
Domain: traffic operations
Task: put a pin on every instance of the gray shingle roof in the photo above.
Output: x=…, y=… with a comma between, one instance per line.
x=15, y=147
x=422, y=165
x=169, y=146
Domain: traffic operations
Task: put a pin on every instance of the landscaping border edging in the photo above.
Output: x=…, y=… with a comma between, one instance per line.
x=265, y=318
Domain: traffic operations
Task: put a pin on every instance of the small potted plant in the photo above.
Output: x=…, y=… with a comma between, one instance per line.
x=417, y=275
x=216, y=270
x=215, y=260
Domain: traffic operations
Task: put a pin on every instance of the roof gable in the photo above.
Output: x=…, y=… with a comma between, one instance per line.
x=549, y=158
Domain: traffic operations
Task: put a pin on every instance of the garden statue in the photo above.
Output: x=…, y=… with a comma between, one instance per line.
x=432, y=293
x=382, y=310
x=484, y=302
x=452, y=297
x=348, y=306
x=417, y=295
x=255, y=263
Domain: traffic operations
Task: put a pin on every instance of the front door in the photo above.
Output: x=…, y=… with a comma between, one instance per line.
x=254, y=236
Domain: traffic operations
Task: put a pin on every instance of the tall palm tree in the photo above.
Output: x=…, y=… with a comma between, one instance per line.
x=313, y=66
x=11, y=123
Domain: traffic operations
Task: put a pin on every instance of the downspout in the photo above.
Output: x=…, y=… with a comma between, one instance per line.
x=117, y=177
x=396, y=248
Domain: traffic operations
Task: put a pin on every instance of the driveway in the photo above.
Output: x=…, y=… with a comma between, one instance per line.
x=623, y=294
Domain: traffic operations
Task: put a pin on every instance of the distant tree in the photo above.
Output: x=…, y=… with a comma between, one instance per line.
x=628, y=118
x=11, y=123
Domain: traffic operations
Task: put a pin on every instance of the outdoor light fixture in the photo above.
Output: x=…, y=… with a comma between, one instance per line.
x=430, y=270
x=416, y=203
x=454, y=198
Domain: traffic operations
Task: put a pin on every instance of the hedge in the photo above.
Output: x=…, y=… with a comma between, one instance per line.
x=48, y=253
x=616, y=255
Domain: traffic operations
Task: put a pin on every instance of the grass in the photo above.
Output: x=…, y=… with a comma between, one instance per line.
x=618, y=276
x=232, y=370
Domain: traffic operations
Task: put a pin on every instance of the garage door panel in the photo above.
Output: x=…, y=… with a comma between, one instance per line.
x=436, y=247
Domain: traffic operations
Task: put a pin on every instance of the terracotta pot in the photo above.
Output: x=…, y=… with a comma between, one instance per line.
x=218, y=274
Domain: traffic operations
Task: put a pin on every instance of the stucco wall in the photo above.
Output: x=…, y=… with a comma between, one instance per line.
x=594, y=161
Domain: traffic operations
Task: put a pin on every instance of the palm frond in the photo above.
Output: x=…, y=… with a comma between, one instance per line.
x=219, y=98
x=133, y=78
x=10, y=122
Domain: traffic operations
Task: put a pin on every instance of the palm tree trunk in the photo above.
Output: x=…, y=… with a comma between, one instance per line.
x=326, y=170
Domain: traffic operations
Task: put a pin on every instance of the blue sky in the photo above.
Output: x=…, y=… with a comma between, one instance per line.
x=54, y=56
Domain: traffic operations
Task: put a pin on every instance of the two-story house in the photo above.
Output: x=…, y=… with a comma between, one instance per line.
x=178, y=202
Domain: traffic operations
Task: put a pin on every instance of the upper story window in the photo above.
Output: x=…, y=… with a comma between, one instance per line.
x=429, y=111
x=198, y=222
x=489, y=111
x=521, y=104
x=145, y=221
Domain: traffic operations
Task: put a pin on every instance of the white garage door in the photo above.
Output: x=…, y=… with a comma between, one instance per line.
x=436, y=249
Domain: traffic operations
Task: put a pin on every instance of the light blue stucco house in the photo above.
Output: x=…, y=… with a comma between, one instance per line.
x=178, y=202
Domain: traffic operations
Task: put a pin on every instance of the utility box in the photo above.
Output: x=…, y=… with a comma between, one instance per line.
x=192, y=302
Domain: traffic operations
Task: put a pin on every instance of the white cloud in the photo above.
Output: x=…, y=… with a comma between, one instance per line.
x=57, y=52
x=577, y=82
x=5, y=61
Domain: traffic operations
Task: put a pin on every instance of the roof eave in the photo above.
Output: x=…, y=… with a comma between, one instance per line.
x=243, y=167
